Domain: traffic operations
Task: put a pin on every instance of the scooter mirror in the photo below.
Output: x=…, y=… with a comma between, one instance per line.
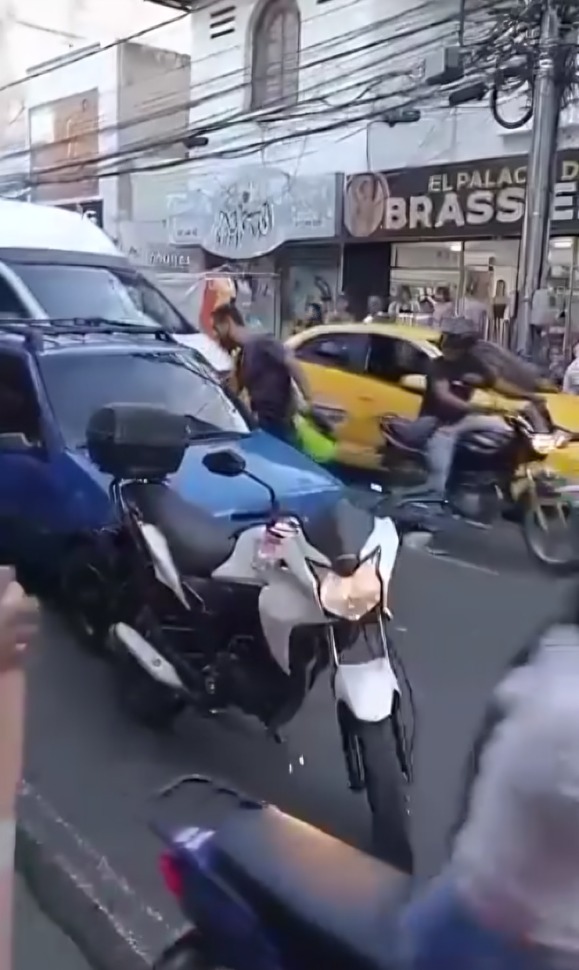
x=228, y=464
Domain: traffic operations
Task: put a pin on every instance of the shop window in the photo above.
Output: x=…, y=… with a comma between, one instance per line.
x=276, y=55
x=348, y=352
x=391, y=359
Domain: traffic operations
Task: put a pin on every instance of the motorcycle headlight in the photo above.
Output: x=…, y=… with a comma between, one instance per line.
x=352, y=597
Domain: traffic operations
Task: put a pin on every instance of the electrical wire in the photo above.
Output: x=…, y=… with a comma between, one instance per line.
x=234, y=75
x=84, y=55
x=235, y=87
x=263, y=117
x=242, y=116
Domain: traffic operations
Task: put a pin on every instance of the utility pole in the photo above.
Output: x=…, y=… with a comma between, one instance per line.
x=536, y=224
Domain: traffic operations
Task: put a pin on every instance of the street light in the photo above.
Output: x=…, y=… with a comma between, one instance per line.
x=193, y=140
x=401, y=116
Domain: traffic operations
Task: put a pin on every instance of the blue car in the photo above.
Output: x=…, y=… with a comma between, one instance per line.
x=53, y=500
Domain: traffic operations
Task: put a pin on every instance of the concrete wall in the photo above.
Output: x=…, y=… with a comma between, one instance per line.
x=153, y=106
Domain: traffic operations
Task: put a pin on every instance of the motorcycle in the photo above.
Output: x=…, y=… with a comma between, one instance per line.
x=495, y=473
x=221, y=615
x=264, y=891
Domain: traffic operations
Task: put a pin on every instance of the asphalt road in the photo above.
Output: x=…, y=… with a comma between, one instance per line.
x=457, y=620
x=37, y=941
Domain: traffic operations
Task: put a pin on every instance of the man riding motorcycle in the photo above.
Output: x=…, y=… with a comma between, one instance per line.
x=467, y=362
x=450, y=386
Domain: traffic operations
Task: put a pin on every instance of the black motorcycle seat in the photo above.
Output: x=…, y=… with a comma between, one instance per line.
x=198, y=542
x=331, y=904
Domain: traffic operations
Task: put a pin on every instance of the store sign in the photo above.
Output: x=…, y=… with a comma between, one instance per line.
x=92, y=210
x=256, y=213
x=469, y=200
x=164, y=258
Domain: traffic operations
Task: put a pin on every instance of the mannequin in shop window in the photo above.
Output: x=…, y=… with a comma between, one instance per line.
x=500, y=302
x=472, y=307
x=571, y=376
x=375, y=309
x=443, y=306
x=402, y=304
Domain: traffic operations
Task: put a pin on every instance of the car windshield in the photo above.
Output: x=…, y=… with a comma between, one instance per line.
x=78, y=384
x=109, y=293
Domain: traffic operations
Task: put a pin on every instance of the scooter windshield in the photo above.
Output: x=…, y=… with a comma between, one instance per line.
x=339, y=533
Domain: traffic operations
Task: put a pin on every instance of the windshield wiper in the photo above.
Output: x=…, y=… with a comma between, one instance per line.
x=102, y=325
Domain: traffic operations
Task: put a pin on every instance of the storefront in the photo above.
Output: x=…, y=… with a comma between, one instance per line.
x=278, y=234
x=460, y=226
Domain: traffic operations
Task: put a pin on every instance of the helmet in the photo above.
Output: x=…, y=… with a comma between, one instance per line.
x=460, y=333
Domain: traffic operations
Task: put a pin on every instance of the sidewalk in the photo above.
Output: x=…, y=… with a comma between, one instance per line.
x=38, y=943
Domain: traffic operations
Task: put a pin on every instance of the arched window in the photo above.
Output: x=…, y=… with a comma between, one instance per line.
x=276, y=54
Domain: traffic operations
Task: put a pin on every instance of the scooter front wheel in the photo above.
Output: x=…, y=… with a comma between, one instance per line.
x=387, y=793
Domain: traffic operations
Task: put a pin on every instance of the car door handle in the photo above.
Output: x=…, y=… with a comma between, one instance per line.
x=366, y=398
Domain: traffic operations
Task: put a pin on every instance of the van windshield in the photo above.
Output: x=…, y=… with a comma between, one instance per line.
x=78, y=384
x=68, y=292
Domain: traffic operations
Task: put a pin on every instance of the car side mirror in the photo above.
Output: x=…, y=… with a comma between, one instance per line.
x=416, y=383
x=227, y=464
x=15, y=441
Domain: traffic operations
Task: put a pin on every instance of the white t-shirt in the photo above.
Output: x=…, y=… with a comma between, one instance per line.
x=518, y=853
x=571, y=378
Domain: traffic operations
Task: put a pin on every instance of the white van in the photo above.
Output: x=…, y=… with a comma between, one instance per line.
x=57, y=265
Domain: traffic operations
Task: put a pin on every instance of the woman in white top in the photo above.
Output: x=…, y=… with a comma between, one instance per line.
x=571, y=376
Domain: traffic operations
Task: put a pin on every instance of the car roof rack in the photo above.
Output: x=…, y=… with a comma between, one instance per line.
x=34, y=332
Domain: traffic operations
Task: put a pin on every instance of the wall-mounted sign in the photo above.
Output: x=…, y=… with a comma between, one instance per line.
x=254, y=214
x=64, y=148
x=469, y=200
x=164, y=257
x=92, y=210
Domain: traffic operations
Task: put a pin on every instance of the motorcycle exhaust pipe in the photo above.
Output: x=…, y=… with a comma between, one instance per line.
x=146, y=656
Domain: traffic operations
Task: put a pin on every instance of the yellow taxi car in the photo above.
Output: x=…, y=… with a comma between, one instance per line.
x=360, y=372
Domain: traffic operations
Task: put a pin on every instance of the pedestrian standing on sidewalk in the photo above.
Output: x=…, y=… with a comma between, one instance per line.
x=571, y=376
x=18, y=625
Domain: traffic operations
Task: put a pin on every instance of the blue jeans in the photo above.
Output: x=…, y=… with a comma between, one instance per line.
x=438, y=932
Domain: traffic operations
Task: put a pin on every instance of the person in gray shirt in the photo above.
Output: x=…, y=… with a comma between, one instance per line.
x=509, y=896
